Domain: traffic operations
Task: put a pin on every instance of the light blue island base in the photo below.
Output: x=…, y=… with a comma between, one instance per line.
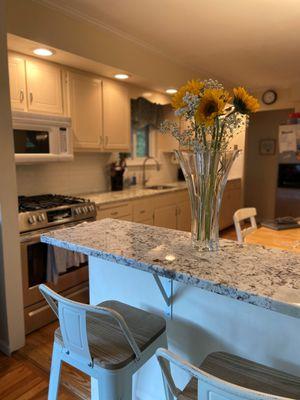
x=202, y=322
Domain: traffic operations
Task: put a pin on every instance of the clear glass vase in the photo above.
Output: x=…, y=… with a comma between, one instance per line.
x=206, y=173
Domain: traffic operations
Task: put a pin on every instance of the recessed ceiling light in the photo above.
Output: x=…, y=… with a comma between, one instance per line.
x=121, y=76
x=43, y=52
x=171, y=91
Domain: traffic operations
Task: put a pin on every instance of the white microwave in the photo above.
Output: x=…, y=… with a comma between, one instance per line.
x=41, y=138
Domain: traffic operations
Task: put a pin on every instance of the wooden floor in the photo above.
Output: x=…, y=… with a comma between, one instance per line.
x=25, y=375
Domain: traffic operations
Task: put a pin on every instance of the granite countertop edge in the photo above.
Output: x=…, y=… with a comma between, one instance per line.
x=271, y=304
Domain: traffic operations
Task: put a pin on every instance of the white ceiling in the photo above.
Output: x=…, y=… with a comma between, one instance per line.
x=250, y=42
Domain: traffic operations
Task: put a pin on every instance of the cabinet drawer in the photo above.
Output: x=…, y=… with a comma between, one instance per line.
x=40, y=314
x=142, y=211
x=115, y=212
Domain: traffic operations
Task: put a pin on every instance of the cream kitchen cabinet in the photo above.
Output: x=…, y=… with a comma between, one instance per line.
x=232, y=201
x=183, y=216
x=116, y=116
x=85, y=99
x=44, y=87
x=116, y=211
x=166, y=216
x=17, y=82
x=35, y=86
x=165, y=210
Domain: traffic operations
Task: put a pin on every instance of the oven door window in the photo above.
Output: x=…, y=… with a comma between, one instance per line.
x=31, y=141
x=37, y=263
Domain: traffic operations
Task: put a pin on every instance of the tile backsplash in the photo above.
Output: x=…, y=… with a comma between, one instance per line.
x=86, y=173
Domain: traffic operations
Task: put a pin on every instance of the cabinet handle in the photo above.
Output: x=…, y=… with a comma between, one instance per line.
x=21, y=96
x=31, y=97
x=142, y=211
x=114, y=213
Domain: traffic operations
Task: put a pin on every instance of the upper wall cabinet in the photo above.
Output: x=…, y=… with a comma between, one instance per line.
x=116, y=116
x=44, y=87
x=86, y=111
x=35, y=86
x=17, y=83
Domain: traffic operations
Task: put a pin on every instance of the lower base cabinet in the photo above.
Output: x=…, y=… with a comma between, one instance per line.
x=165, y=217
x=171, y=210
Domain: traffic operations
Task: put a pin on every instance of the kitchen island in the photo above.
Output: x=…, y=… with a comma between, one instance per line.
x=242, y=299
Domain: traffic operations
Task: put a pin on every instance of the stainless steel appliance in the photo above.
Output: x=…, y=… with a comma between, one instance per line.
x=39, y=214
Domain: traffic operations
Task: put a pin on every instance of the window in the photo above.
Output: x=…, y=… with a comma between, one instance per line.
x=143, y=142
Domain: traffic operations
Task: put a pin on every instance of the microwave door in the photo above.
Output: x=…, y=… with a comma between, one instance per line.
x=32, y=141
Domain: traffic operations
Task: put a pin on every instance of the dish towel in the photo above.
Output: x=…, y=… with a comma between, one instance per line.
x=59, y=260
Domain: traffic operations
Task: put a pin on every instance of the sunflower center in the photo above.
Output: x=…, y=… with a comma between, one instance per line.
x=209, y=108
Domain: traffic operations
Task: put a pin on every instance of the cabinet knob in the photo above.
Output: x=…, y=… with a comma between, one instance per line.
x=31, y=97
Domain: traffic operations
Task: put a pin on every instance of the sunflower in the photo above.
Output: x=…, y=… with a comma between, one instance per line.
x=243, y=102
x=212, y=104
x=194, y=86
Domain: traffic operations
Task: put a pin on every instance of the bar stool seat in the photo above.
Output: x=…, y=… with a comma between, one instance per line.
x=108, y=345
x=246, y=374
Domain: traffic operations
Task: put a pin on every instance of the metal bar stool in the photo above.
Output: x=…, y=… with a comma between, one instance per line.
x=108, y=342
x=224, y=376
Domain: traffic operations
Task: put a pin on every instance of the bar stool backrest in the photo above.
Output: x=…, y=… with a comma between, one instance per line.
x=209, y=387
x=241, y=215
x=72, y=320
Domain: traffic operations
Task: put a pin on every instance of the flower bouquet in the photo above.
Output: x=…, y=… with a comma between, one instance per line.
x=211, y=117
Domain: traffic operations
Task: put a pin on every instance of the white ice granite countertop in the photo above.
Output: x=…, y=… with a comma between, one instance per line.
x=265, y=277
x=132, y=193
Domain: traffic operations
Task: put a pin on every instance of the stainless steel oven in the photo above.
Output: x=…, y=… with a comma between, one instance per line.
x=34, y=255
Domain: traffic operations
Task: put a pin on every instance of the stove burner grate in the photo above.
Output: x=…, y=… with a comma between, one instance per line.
x=45, y=201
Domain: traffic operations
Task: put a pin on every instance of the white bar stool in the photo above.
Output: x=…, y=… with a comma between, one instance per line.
x=108, y=342
x=224, y=376
x=241, y=215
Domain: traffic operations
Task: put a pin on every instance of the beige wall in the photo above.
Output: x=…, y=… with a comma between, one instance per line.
x=11, y=294
x=261, y=170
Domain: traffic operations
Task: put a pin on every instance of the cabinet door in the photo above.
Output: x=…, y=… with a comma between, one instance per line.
x=165, y=216
x=86, y=111
x=116, y=116
x=184, y=216
x=230, y=203
x=17, y=84
x=44, y=87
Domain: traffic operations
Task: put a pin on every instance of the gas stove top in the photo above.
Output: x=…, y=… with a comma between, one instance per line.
x=48, y=210
x=45, y=201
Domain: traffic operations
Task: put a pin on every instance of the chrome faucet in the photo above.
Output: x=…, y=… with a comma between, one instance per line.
x=144, y=168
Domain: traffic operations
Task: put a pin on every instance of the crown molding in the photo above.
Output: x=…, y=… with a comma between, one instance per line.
x=71, y=12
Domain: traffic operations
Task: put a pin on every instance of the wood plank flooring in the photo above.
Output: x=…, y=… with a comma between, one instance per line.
x=25, y=375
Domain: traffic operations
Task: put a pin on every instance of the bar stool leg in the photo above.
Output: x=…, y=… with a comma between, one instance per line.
x=168, y=393
x=115, y=385
x=55, y=372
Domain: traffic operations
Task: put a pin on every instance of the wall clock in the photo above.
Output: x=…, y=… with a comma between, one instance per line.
x=269, y=97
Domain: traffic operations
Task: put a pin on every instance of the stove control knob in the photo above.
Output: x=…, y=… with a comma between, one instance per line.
x=91, y=208
x=76, y=211
x=32, y=219
x=40, y=218
x=85, y=210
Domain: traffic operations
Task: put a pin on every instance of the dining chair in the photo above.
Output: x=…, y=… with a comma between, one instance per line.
x=224, y=376
x=108, y=342
x=241, y=215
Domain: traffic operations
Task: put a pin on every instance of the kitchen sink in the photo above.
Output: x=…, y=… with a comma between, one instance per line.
x=159, y=187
